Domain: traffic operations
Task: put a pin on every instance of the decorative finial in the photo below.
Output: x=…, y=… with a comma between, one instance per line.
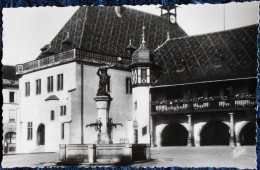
x=143, y=40
x=130, y=42
x=168, y=36
x=68, y=35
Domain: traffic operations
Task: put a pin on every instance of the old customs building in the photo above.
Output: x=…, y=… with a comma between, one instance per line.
x=168, y=88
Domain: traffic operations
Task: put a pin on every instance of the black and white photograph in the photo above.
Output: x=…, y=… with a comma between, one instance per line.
x=149, y=86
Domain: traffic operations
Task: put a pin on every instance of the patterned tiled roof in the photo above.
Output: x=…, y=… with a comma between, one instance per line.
x=237, y=48
x=101, y=29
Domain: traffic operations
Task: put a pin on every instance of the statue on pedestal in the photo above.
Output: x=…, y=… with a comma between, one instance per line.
x=103, y=80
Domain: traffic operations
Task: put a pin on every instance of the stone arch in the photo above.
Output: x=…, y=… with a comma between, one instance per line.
x=215, y=132
x=239, y=126
x=174, y=134
x=247, y=134
x=196, y=132
x=41, y=134
x=158, y=131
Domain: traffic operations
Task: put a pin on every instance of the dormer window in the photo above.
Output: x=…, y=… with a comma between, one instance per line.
x=218, y=60
x=180, y=66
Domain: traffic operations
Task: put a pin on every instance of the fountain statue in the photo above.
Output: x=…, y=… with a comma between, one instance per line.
x=104, y=150
x=103, y=80
x=104, y=124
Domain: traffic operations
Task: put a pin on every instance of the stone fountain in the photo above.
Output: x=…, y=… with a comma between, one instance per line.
x=103, y=151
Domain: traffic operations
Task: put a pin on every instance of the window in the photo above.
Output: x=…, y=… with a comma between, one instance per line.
x=12, y=116
x=143, y=75
x=135, y=105
x=60, y=82
x=29, y=131
x=38, y=86
x=50, y=84
x=62, y=110
x=109, y=85
x=10, y=137
x=27, y=89
x=11, y=97
x=144, y=130
x=62, y=131
x=52, y=114
x=128, y=86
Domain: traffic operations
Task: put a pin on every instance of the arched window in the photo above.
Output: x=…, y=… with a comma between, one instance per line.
x=41, y=134
x=10, y=137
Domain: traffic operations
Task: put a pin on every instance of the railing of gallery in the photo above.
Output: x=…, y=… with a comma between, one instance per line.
x=101, y=58
x=74, y=54
x=238, y=101
x=45, y=62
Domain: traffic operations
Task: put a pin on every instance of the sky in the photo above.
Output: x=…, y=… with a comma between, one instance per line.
x=27, y=30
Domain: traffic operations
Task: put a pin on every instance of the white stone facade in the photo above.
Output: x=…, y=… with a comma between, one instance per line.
x=36, y=109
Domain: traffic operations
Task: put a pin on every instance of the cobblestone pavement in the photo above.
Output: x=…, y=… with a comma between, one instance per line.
x=243, y=157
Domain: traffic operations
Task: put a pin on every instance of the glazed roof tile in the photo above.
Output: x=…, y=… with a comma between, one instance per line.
x=238, y=47
x=100, y=29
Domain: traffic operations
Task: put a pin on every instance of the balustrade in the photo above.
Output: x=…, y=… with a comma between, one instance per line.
x=203, y=103
x=74, y=54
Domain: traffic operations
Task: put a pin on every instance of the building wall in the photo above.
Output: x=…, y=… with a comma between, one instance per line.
x=141, y=112
x=10, y=125
x=120, y=108
x=35, y=109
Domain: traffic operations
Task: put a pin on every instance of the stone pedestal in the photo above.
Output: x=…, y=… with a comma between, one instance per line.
x=103, y=105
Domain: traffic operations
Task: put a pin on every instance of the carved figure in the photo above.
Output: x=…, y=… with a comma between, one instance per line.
x=103, y=80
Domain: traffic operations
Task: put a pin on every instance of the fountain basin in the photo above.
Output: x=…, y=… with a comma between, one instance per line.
x=103, y=153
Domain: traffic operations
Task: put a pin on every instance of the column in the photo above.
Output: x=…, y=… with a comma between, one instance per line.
x=232, y=141
x=103, y=104
x=189, y=131
x=151, y=132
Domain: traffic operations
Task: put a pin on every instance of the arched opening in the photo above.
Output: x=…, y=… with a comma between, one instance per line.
x=248, y=134
x=10, y=137
x=41, y=134
x=215, y=132
x=10, y=142
x=174, y=135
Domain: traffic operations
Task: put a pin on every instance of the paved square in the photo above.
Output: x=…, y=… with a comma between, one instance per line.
x=243, y=157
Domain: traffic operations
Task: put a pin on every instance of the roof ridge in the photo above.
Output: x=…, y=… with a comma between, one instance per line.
x=238, y=28
x=198, y=35
x=140, y=10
